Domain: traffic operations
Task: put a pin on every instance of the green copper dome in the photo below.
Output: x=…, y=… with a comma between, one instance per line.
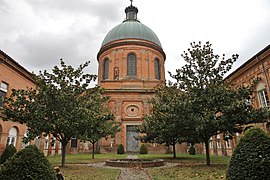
x=131, y=28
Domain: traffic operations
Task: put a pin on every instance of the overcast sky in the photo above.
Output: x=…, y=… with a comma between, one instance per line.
x=37, y=33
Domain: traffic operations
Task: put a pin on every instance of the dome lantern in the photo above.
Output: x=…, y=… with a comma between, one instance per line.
x=131, y=31
x=131, y=13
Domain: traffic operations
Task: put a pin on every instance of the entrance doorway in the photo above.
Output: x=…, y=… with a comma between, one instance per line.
x=132, y=143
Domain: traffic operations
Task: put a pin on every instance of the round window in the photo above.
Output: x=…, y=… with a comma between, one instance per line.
x=132, y=110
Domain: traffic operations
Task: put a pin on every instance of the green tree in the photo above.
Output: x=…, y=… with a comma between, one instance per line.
x=9, y=151
x=169, y=122
x=53, y=107
x=29, y=163
x=143, y=149
x=217, y=107
x=120, y=149
x=99, y=121
x=251, y=158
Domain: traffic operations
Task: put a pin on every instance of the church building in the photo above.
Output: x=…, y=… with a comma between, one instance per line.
x=131, y=63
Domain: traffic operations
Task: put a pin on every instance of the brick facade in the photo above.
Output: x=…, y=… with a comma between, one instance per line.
x=14, y=76
x=257, y=67
x=129, y=95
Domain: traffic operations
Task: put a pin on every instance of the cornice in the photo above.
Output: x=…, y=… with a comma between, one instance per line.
x=129, y=90
x=248, y=62
x=130, y=42
x=16, y=66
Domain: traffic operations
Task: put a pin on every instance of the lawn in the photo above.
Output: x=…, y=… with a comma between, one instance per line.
x=189, y=167
x=83, y=172
x=189, y=171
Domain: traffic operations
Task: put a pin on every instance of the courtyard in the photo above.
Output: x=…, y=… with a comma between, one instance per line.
x=81, y=166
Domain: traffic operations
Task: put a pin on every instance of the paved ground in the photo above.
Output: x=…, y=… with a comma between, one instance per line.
x=131, y=173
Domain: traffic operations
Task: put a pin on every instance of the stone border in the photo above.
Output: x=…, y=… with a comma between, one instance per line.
x=135, y=163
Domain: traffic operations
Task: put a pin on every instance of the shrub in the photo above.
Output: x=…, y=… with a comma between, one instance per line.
x=120, y=149
x=9, y=151
x=143, y=149
x=251, y=157
x=29, y=163
x=192, y=150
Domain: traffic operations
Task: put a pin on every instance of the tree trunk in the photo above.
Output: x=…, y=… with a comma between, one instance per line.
x=64, y=148
x=207, y=153
x=97, y=148
x=93, y=150
x=174, y=152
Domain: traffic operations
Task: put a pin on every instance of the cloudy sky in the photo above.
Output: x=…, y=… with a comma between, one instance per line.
x=37, y=33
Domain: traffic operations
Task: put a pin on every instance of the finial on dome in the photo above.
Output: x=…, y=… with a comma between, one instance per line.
x=131, y=12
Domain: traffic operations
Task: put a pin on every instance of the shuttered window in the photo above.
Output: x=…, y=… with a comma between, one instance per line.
x=157, y=68
x=106, y=69
x=131, y=66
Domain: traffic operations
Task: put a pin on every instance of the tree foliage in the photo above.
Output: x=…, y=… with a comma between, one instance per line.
x=120, y=149
x=99, y=121
x=169, y=122
x=55, y=105
x=143, y=149
x=217, y=107
x=251, y=158
x=9, y=151
x=29, y=163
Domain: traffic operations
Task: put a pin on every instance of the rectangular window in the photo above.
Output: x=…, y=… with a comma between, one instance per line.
x=218, y=143
x=59, y=145
x=46, y=144
x=53, y=143
x=106, y=69
x=73, y=142
x=37, y=142
x=157, y=69
x=228, y=143
x=3, y=92
x=131, y=66
x=263, y=98
x=211, y=143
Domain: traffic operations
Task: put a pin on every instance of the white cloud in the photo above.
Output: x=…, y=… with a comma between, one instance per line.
x=37, y=33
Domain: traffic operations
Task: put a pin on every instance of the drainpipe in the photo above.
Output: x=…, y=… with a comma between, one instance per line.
x=264, y=73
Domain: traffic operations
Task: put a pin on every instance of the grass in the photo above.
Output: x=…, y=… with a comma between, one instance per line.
x=189, y=167
x=196, y=172
x=83, y=172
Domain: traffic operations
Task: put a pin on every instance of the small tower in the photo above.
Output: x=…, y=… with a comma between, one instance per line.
x=131, y=63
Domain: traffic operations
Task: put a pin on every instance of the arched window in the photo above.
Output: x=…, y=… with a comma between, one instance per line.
x=262, y=95
x=157, y=68
x=106, y=69
x=131, y=66
x=12, y=136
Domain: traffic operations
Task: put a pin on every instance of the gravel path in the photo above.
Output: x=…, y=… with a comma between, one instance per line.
x=131, y=173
